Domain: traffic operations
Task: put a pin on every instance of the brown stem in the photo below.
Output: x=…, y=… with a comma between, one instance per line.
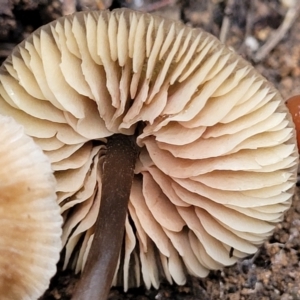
x=117, y=179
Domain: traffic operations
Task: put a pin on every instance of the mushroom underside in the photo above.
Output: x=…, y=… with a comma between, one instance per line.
x=30, y=220
x=217, y=160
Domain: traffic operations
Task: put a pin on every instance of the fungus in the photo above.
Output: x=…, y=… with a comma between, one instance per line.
x=293, y=105
x=30, y=219
x=211, y=142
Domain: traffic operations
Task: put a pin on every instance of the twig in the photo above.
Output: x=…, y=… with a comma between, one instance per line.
x=159, y=4
x=278, y=35
x=209, y=24
x=226, y=21
x=249, y=25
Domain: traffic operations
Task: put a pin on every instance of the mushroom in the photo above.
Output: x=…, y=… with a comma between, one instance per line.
x=30, y=220
x=293, y=104
x=211, y=146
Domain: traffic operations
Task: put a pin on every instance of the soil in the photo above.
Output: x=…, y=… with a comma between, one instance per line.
x=274, y=272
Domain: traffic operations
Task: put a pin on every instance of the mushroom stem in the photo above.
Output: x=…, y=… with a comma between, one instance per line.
x=118, y=172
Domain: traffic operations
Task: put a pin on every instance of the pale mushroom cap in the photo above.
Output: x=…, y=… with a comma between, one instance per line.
x=218, y=157
x=30, y=220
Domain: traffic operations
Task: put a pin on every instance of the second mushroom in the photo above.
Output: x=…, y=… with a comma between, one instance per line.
x=157, y=128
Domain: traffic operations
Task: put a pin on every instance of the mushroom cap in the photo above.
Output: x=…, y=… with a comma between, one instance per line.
x=218, y=157
x=30, y=220
x=293, y=104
